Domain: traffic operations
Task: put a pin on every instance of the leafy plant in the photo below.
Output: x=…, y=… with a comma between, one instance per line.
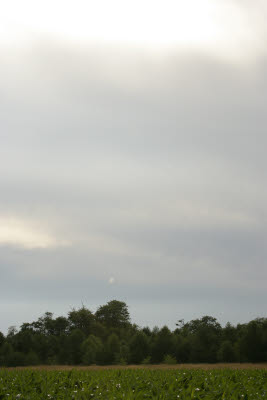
x=168, y=359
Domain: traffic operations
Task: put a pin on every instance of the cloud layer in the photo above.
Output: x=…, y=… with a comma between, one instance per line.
x=133, y=173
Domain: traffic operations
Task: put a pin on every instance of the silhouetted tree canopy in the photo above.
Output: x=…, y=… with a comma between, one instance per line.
x=108, y=337
x=113, y=314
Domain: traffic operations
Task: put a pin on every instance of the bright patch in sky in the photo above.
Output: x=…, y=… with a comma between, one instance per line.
x=111, y=280
x=20, y=233
x=212, y=25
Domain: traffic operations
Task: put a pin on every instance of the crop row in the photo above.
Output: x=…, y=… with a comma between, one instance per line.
x=133, y=384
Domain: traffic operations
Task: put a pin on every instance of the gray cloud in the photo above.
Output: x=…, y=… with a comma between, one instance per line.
x=149, y=166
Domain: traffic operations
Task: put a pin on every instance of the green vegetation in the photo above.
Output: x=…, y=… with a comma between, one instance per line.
x=134, y=384
x=108, y=337
x=169, y=360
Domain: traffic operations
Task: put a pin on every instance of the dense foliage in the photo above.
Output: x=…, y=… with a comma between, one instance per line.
x=108, y=337
x=134, y=384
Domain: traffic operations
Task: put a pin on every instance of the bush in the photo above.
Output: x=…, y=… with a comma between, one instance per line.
x=146, y=361
x=168, y=359
x=119, y=360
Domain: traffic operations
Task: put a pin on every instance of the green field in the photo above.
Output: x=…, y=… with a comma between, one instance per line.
x=134, y=384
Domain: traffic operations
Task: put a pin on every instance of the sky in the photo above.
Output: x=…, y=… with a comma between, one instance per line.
x=133, y=158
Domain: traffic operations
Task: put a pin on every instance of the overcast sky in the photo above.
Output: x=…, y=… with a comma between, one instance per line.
x=133, y=158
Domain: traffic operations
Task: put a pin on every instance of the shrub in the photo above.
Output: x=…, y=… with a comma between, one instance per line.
x=168, y=359
x=146, y=361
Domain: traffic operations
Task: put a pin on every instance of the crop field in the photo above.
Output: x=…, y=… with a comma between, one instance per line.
x=134, y=384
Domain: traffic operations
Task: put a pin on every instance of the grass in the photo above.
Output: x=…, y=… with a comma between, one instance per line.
x=130, y=383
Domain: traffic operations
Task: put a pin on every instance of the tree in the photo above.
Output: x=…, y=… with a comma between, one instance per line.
x=42, y=325
x=23, y=340
x=112, y=348
x=204, y=337
x=123, y=356
x=252, y=341
x=147, y=331
x=6, y=355
x=206, y=322
x=12, y=330
x=63, y=349
x=114, y=314
x=74, y=342
x=82, y=319
x=17, y=359
x=2, y=339
x=163, y=345
x=229, y=333
x=139, y=348
x=226, y=352
x=108, y=337
x=31, y=359
x=40, y=346
x=182, y=347
x=92, y=349
x=60, y=326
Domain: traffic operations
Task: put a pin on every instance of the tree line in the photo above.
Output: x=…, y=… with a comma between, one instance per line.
x=108, y=337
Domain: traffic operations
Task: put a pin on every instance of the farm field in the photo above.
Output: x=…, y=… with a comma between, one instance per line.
x=142, y=366
x=133, y=383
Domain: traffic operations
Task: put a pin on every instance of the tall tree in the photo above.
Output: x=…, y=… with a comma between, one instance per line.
x=114, y=314
x=139, y=347
x=163, y=345
x=92, y=349
x=112, y=348
x=82, y=319
x=74, y=343
x=2, y=339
